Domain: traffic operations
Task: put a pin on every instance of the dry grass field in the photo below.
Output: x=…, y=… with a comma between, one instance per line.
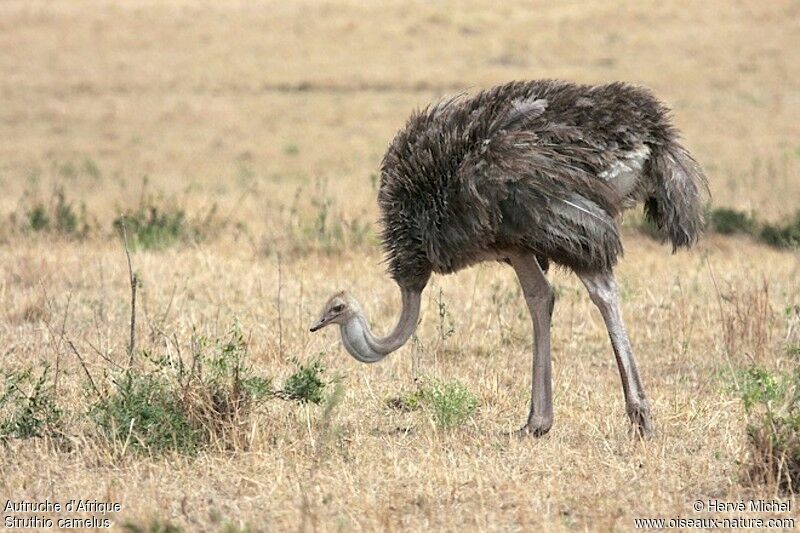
x=264, y=124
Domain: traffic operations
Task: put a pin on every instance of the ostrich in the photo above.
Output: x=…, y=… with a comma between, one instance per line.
x=529, y=173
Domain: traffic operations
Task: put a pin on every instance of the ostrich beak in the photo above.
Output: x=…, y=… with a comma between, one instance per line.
x=319, y=324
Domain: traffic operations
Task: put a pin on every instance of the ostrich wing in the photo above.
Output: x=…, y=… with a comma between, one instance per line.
x=546, y=197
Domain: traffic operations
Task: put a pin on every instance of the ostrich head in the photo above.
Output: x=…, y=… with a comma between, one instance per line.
x=338, y=309
x=357, y=338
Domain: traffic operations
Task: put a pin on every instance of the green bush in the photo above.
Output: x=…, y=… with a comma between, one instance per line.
x=306, y=384
x=146, y=412
x=772, y=403
x=164, y=405
x=782, y=236
x=152, y=228
x=38, y=219
x=27, y=406
x=449, y=403
x=66, y=221
x=155, y=225
x=729, y=221
x=60, y=216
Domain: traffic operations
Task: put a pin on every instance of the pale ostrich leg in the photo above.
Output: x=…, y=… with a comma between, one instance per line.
x=604, y=292
x=540, y=299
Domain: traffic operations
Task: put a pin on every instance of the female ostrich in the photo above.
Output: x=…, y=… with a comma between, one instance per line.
x=527, y=173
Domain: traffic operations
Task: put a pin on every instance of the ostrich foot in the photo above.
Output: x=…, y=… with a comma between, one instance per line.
x=536, y=427
x=641, y=423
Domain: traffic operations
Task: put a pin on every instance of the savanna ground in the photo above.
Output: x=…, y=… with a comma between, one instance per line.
x=264, y=123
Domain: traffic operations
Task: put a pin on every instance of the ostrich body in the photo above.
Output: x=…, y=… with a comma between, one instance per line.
x=528, y=173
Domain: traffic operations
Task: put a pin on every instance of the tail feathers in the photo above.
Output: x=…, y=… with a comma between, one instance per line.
x=676, y=203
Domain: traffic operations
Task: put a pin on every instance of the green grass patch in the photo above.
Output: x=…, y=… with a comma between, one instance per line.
x=306, y=385
x=449, y=403
x=159, y=225
x=153, y=228
x=56, y=216
x=726, y=221
x=785, y=235
x=27, y=405
x=729, y=221
x=145, y=412
x=165, y=404
x=772, y=403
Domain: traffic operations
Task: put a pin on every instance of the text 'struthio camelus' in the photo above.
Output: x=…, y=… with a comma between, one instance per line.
x=528, y=173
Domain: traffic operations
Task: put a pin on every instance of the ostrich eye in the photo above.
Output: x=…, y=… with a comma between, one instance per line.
x=337, y=308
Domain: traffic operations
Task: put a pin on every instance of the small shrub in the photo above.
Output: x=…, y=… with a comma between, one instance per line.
x=38, y=219
x=27, y=406
x=66, y=221
x=729, y=221
x=222, y=390
x=451, y=403
x=226, y=362
x=305, y=385
x=145, y=412
x=152, y=228
x=782, y=236
x=772, y=404
x=164, y=405
x=59, y=217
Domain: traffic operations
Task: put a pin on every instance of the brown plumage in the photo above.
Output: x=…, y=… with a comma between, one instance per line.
x=544, y=166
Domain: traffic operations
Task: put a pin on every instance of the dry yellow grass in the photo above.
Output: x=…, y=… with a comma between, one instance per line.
x=242, y=104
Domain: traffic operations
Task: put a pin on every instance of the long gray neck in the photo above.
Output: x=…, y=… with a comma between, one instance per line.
x=359, y=341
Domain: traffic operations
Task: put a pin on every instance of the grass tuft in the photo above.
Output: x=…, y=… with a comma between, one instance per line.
x=772, y=403
x=306, y=384
x=153, y=228
x=782, y=236
x=158, y=225
x=144, y=413
x=59, y=216
x=729, y=221
x=165, y=405
x=726, y=221
x=27, y=406
x=449, y=403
